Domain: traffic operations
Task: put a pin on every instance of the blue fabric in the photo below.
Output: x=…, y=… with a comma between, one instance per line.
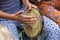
x=11, y=27
x=11, y=7
x=51, y=29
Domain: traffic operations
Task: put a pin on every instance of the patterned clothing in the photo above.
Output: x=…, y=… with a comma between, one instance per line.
x=54, y=3
x=11, y=7
x=51, y=29
x=50, y=12
x=49, y=8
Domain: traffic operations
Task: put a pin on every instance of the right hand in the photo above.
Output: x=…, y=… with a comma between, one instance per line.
x=29, y=20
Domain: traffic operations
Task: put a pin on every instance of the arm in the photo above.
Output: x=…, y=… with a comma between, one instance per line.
x=24, y=1
x=28, y=4
x=7, y=16
x=18, y=17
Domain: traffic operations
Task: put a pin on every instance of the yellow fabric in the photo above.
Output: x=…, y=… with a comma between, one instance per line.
x=5, y=34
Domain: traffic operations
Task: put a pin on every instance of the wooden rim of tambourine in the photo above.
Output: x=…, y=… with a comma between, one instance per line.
x=35, y=29
x=5, y=34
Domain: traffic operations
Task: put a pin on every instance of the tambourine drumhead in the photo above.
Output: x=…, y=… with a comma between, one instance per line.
x=36, y=28
x=5, y=34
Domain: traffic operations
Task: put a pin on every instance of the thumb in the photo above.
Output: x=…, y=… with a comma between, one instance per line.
x=19, y=12
x=34, y=6
x=29, y=8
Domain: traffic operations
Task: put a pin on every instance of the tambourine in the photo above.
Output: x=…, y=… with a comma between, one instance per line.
x=5, y=34
x=35, y=29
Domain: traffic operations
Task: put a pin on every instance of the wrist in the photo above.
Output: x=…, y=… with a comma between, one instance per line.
x=14, y=17
x=11, y=17
x=8, y=16
x=24, y=2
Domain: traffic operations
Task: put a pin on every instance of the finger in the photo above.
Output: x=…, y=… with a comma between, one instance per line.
x=26, y=20
x=28, y=24
x=19, y=12
x=29, y=21
x=28, y=17
x=29, y=7
x=34, y=6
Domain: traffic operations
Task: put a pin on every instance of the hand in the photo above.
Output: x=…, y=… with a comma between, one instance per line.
x=29, y=20
x=29, y=5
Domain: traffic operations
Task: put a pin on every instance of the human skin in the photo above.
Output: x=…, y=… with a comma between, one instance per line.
x=22, y=18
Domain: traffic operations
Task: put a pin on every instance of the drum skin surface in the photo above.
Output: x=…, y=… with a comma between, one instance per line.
x=34, y=29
